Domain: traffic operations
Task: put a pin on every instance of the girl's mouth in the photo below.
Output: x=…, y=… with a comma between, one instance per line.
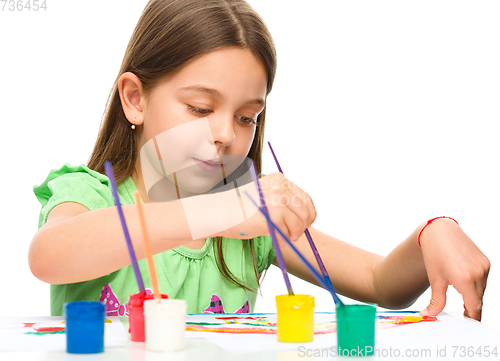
x=208, y=165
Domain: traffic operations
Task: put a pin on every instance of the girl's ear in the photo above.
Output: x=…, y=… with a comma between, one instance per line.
x=132, y=97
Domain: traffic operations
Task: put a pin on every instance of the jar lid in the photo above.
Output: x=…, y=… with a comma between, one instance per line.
x=84, y=309
x=295, y=301
x=137, y=299
x=165, y=308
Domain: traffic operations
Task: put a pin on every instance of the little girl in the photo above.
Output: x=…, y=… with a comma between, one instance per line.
x=192, y=91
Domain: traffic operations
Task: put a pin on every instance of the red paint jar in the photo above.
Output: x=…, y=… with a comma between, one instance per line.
x=136, y=315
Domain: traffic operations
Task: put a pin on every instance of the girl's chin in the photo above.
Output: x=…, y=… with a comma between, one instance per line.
x=198, y=186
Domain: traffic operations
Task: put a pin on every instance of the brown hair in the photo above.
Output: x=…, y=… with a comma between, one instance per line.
x=168, y=34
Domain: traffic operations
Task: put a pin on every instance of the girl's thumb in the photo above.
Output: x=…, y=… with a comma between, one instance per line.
x=438, y=300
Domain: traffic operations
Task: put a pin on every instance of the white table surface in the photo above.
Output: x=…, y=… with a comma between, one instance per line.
x=433, y=337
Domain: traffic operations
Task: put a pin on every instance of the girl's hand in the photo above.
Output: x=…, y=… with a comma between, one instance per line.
x=451, y=258
x=290, y=208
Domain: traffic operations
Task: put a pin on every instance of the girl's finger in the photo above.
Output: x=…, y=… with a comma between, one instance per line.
x=480, y=287
x=472, y=300
x=285, y=223
x=438, y=298
x=301, y=204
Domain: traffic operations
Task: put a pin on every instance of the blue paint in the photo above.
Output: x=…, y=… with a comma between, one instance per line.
x=84, y=326
x=242, y=234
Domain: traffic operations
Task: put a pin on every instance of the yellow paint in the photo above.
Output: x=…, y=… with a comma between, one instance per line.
x=411, y=319
x=295, y=318
x=257, y=321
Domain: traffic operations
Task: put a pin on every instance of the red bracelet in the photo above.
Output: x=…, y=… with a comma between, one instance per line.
x=429, y=222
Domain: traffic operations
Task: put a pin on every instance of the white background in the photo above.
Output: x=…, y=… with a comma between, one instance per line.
x=385, y=112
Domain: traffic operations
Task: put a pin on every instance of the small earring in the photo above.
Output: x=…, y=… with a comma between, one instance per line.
x=133, y=125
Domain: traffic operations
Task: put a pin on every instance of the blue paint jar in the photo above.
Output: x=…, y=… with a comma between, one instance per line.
x=84, y=326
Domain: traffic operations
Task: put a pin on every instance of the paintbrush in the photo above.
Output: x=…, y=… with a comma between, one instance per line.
x=279, y=256
x=133, y=259
x=147, y=247
x=315, y=273
x=308, y=235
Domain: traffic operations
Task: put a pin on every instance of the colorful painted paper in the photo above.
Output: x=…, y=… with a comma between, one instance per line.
x=48, y=333
x=266, y=324
x=402, y=330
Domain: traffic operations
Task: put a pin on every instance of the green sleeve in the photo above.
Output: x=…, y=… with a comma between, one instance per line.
x=77, y=184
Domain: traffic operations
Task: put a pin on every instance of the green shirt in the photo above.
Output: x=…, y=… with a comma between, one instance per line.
x=183, y=273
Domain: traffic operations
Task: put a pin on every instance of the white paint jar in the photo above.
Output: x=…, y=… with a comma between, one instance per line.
x=165, y=324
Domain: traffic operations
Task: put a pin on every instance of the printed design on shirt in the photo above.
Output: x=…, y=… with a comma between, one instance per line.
x=244, y=309
x=216, y=306
x=113, y=306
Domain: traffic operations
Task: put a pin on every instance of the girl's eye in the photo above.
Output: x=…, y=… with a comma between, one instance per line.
x=246, y=120
x=200, y=111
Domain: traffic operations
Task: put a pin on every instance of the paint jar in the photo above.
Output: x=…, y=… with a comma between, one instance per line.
x=356, y=330
x=84, y=326
x=165, y=324
x=295, y=318
x=136, y=315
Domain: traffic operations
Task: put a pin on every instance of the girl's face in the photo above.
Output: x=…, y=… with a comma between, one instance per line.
x=199, y=124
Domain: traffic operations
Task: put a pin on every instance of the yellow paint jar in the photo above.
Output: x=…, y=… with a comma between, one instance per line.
x=295, y=318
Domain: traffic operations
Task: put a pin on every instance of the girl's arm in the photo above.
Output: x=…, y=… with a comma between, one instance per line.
x=447, y=257
x=76, y=244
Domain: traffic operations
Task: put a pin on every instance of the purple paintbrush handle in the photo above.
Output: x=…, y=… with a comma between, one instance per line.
x=279, y=256
x=135, y=266
x=317, y=256
x=317, y=276
x=308, y=235
x=275, y=159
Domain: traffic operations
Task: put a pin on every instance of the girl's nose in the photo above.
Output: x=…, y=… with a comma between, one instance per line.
x=222, y=129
